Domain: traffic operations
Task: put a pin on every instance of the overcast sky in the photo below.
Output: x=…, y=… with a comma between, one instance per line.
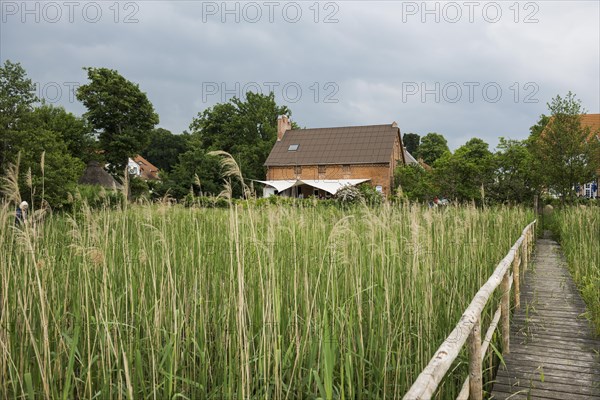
x=462, y=69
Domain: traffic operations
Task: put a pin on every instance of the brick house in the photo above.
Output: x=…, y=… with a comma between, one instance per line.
x=318, y=162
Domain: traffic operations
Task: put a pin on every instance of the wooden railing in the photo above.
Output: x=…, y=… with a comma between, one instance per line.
x=468, y=328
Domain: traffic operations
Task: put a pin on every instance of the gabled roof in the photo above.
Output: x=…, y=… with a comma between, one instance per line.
x=409, y=158
x=147, y=170
x=372, y=144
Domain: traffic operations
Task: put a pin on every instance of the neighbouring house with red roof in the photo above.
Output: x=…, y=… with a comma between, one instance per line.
x=318, y=162
x=142, y=168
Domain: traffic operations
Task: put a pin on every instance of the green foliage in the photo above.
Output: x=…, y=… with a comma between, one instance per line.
x=47, y=170
x=565, y=149
x=120, y=112
x=415, y=182
x=43, y=141
x=516, y=178
x=432, y=147
x=75, y=132
x=205, y=201
x=95, y=197
x=579, y=232
x=246, y=129
x=196, y=172
x=370, y=195
x=164, y=148
x=462, y=175
x=17, y=97
x=242, y=302
x=411, y=142
x=138, y=188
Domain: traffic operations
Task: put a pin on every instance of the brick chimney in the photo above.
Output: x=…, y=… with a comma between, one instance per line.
x=283, y=124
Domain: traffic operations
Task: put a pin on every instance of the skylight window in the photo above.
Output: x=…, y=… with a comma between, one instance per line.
x=293, y=147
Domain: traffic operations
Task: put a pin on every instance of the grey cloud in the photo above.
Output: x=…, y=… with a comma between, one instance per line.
x=371, y=54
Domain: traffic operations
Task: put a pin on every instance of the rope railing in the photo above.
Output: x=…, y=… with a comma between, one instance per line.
x=468, y=329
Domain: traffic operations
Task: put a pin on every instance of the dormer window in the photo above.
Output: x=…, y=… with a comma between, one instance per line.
x=293, y=147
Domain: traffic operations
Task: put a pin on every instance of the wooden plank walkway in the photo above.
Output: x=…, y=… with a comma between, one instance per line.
x=553, y=351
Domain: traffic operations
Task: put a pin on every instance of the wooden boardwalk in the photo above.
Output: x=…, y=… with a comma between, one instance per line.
x=553, y=351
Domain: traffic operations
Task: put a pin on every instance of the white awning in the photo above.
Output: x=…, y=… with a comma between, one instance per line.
x=282, y=185
x=328, y=185
x=332, y=185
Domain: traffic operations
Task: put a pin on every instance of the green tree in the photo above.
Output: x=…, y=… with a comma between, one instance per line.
x=46, y=170
x=246, y=129
x=164, y=148
x=17, y=97
x=536, y=130
x=74, y=131
x=463, y=174
x=42, y=141
x=415, y=182
x=566, y=150
x=433, y=146
x=411, y=142
x=120, y=112
x=195, y=172
x=516, y=180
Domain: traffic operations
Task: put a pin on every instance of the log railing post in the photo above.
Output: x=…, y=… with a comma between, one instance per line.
x=517, y=278
x=525, y=252
x=504, y=312
x=475, y=370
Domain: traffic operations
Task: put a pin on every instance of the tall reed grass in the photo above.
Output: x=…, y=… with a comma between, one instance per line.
x=579, y=235
x=162, y=302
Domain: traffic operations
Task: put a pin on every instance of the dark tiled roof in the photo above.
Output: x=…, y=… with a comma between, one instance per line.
x=373, y=144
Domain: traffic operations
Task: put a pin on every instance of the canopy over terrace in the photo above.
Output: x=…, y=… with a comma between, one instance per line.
x=331, y=186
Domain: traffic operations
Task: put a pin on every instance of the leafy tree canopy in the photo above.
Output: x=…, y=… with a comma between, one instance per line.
x=17, y=97
x=164, y=148
x=120, y=112
x=463, y=174
x=246, y=129
x=516, y=176
x=566, y=149
x=433, y=146
x=411, y=142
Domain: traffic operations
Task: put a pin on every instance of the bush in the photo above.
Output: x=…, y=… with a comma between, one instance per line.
x=349, y=195
x=95, y=196
x=370, y=194
x=138, y=188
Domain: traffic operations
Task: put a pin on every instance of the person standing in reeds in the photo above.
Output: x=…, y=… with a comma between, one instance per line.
x=21, y=213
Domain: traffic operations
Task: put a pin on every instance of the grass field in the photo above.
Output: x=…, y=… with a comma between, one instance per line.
x=274, y=302
x=579, y=235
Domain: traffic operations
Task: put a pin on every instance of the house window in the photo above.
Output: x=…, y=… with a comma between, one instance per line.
x=293, y=147
x=322, y=169
x=298, y=169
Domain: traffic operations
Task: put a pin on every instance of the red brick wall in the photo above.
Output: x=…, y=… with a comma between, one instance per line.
x=379, y=174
